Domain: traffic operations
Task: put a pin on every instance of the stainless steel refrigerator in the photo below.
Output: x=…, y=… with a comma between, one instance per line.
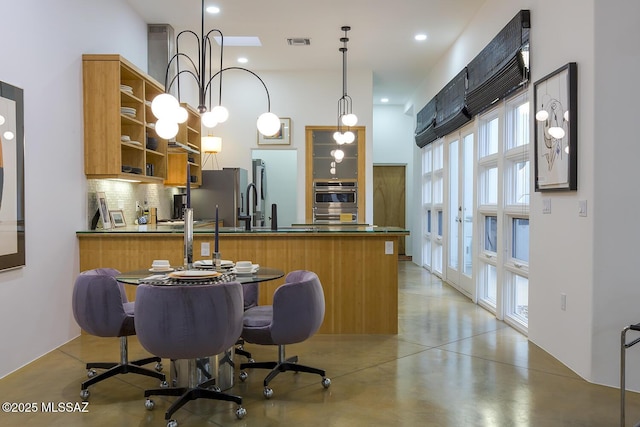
x=225, y=188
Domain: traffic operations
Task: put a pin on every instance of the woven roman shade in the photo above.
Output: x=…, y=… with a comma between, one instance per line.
x=497, y=71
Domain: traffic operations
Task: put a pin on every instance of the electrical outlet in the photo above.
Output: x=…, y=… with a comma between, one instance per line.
x=205, y=249
x=388, y=248
x=546, y=205
x=563, y=302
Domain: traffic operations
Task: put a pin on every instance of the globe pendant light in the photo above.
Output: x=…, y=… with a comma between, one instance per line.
x=166, y=107
x=345, y=113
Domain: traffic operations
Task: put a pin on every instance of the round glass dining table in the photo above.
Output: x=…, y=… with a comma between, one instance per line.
x=263, y=274
x=219, y=368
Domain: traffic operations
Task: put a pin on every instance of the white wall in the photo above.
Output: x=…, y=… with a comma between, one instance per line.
x=42, y=54
x=616, y=297
x=561, y=257
x=393, y=144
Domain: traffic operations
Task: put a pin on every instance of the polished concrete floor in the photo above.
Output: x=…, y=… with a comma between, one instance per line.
x=452, y=364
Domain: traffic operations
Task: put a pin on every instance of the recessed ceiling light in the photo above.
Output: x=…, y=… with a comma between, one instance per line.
x=213, y=9
x=243, y=60
x=384, y=100
x=420, y=37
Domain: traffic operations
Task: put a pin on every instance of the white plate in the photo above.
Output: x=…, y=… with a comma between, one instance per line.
x=161, y=270
x=249, y=273
x=193, y=274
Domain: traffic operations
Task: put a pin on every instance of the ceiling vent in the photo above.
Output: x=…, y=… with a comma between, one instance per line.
x=299, y=41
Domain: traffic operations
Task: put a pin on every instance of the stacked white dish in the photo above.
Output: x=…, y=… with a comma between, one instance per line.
x=129, y=111
x=246, y=268
x=125, y=138
x=127, y=89
x=160, y=265
x=207, y=264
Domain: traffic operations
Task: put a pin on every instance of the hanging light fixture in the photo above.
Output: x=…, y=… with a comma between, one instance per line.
x=345, y=112
x=167, y=108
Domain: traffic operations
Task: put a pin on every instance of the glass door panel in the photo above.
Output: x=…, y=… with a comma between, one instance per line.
x=454, y=213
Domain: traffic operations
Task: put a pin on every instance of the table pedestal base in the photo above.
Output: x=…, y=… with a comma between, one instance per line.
x=216, y=370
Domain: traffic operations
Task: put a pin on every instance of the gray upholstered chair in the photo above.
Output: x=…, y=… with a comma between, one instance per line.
x=101, y=308
x=296, y=314
x=250, y=293
x=189, y=322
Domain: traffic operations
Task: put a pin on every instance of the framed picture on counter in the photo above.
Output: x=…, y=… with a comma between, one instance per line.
x=117, y=218
x=104, y=210
x=282, y=137
x=12, y=221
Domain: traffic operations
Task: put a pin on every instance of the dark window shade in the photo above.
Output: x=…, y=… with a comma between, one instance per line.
x=426, y=121
x=497, y=71
x=499, y=68
x=451, y=111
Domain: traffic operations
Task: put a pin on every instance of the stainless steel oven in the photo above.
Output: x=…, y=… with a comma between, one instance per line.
x=333, y=201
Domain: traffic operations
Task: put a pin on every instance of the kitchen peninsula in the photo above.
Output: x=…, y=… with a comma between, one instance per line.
x=357, y=265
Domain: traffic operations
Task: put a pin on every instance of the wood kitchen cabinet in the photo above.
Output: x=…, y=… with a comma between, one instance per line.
x=319, y=144
x=118, y=120
x=185, y=150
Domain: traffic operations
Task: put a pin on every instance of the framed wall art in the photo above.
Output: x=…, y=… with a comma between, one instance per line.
x=104, y=210
x=282, y=137
x=12, y=224
x=556, y=130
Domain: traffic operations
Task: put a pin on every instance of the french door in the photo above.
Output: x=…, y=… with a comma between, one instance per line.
x=460, y=209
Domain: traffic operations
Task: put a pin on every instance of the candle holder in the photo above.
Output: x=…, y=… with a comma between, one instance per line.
x=217, y=261
x=188, y=238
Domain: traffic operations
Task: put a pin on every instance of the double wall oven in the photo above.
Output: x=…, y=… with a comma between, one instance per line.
x=335, y=201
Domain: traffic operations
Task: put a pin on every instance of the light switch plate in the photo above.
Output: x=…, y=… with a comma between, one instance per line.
x=546, y=205
x=205, y=249
x=582, y=208
x=388, y=248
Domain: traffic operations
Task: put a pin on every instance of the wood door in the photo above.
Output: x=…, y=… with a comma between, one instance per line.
x=389, y=198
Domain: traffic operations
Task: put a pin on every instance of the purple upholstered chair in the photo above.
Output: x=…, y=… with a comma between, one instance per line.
x=296, y=314
x=101, y=308
x=189, y=322
x=250, y=293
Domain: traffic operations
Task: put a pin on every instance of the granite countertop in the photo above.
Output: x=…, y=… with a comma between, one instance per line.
x=204, y=227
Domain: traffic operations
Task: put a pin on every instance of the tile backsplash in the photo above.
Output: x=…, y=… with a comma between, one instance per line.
x=123, y=196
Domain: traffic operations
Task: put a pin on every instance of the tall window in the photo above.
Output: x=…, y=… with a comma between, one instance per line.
x=427, y=202
x=503, y=210
x=432, y=200
x=516, y=212
x=501, y=219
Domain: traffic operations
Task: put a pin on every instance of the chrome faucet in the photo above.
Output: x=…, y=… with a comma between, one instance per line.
x=247, y=218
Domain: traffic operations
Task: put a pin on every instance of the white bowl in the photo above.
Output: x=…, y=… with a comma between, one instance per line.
x=160, y=263
x=243, y=265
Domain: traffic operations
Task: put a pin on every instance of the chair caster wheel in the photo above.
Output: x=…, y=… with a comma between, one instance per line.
x=216, y=389
x=91, y=373
x=240, y=413
x=326, y=382
x=84, y=394
x=164, y=384
x=267, y=393
x=243, y=376
x=172, y=423
x=149, y=404
x=251, y=360
x=159, y=367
